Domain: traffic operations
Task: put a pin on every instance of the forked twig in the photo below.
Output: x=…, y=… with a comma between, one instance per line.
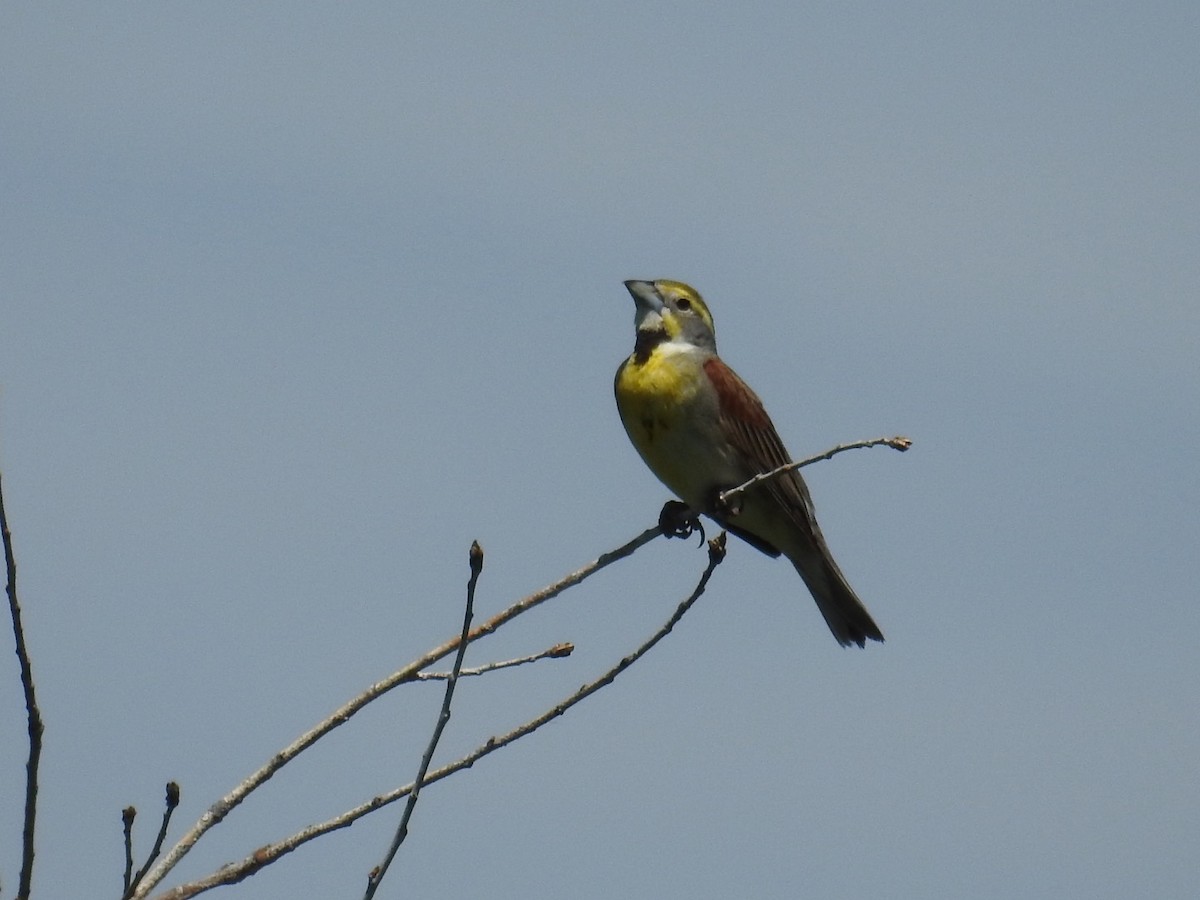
x=898, y=442
x=342, y=714
x=411, y=672
x=172, y=802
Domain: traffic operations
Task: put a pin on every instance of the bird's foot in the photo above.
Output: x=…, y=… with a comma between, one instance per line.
x=678, y=520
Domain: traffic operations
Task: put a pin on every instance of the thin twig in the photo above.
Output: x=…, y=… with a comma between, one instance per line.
x=342, y=714
x=556, y=652
x=172, y=801
x=35, y=725
x=233, y=873
x=896, y=443
x=377, y=874
x=128, y=814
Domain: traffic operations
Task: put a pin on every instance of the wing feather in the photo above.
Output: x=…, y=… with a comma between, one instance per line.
x=750, y=430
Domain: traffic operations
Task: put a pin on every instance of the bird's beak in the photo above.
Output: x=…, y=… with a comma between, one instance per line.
x=649, y=303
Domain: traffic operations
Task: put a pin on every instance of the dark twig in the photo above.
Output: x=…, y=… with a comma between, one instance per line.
x=896, y=443
x=376, y=875
x=264, y=856
x=172, y=801
x=33, y=714
x=128, y=814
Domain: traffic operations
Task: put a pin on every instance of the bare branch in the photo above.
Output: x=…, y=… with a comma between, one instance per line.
x=377, y=874
x=34, y=716
x=233, y=873
x=340, y=716
x=896, y=443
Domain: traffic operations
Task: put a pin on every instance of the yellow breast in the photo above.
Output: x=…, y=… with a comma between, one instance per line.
x=669, y=411
x=653, y=395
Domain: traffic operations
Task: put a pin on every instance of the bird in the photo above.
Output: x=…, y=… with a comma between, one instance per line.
x=701, y=430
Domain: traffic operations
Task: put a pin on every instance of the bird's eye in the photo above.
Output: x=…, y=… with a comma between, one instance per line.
x=684, y=303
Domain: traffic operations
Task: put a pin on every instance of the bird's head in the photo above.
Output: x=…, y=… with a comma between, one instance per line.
x=672, y=311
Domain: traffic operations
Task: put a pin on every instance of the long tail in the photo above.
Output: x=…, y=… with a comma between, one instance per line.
x=845, y=614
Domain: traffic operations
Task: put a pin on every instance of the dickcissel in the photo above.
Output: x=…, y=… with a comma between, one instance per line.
x=702, y=431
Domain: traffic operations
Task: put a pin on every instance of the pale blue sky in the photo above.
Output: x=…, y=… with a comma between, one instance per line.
x=298, y=300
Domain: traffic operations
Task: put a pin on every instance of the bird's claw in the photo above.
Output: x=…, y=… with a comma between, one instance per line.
x=678, y=520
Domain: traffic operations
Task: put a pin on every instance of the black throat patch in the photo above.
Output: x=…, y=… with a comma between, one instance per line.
x=645, y=343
